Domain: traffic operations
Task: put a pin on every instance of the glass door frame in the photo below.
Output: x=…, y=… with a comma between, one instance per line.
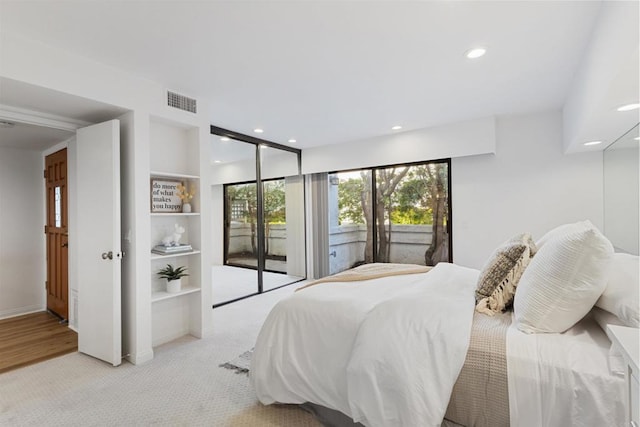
x=373, y=186
x=258, y=143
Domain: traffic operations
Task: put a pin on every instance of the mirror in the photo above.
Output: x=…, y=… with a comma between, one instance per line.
x=234, y=181
x=621, y=192
x=258, y=196
x=283, y=196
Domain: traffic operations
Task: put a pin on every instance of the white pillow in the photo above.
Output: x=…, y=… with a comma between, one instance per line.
x=621, y=296
x=558, y=231
x=563, y=280
x=604, y=318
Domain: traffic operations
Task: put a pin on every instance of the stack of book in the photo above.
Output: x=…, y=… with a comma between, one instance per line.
x=169, y=250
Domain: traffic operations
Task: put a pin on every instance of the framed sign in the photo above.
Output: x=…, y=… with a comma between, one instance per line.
x=164, y=196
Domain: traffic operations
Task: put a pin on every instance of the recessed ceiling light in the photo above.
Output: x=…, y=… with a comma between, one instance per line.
x=224, y=138
x=476, y=52
x=217, y=161
x=292, y=141
x=592, y=143
x=258, y=130
x=396, y=127
x=628, y=107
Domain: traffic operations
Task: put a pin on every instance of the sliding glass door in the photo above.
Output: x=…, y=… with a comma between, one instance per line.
x=397, y=214
x=241, y=221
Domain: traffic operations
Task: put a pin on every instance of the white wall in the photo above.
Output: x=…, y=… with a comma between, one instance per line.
x=454, y=140
x=69, y=73
x=528, y=185
x=22, y=248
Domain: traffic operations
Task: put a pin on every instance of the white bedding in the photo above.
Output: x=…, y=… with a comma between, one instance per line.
x=573, y=387
x=387, y=352
x=389, y=357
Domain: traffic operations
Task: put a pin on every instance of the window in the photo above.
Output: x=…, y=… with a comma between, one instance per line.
x=405, y=220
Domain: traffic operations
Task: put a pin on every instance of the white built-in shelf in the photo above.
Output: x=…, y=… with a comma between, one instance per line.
x=159, y=174
x=160, y=256
x=163, y=295
x=175, y=214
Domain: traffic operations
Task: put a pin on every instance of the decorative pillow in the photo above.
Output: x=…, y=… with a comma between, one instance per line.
x=564, y=280
x=499, y=277
x=621, y=296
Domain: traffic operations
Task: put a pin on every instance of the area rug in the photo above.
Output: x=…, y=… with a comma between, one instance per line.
x=240, y=364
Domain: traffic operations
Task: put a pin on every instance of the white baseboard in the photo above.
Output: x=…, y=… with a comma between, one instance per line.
x=140, y=358
x=169, y=337
x=14, y=312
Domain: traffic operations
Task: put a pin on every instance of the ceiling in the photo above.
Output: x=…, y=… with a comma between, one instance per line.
x=24, y=107
x=329, y=72
x=31, y=137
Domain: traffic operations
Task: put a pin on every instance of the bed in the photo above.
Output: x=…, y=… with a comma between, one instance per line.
x=408, y=346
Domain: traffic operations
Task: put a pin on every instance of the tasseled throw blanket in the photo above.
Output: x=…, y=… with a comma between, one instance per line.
x=370, y=271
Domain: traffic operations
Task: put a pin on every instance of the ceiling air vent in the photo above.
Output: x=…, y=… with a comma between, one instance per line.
x=181, y=102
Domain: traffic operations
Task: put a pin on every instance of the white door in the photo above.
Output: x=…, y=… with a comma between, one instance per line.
x=99, y=256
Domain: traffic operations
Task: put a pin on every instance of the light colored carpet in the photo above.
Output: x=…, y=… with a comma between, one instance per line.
x=183, y=385
x=230, y=282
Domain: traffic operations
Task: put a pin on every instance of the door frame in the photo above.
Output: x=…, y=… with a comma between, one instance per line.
x=57, y=258
x=71, y=318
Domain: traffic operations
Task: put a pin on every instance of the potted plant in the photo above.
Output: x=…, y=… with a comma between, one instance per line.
x=173, y=276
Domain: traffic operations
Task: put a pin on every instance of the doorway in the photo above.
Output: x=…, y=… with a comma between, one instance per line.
x=57, y=235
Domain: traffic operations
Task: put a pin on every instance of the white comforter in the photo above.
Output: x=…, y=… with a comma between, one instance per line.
x=385, y=352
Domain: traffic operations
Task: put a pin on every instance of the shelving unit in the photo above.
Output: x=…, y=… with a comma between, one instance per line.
x=174, y=155
x=160, y=256
x=163, y=295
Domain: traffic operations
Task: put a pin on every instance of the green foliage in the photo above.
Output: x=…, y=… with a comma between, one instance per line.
x=410, y=203
x=349, y=200
x=411, y=216
x=170, y=273
x=244, y=193
x=273, y=196
x=274, y=201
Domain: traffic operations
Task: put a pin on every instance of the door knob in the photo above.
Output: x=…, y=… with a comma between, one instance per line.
x=107, y=255
x=65, y=245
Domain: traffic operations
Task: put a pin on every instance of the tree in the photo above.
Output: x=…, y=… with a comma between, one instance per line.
x=245, y=193
x=274, y=211
x=386, y=182
x=349, y=204
x=408, y=195
x=274, y=207
x=438, y=250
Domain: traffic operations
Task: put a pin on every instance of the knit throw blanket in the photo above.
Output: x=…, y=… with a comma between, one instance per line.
x=370, y=271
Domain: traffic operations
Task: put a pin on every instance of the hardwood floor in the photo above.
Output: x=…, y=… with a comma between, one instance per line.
x=32, y=338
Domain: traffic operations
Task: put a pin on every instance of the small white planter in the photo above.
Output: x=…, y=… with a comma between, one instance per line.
x=186, y=207
x=174, y=286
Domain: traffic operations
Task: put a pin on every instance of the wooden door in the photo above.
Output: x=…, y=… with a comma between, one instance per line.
x=56, y=229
